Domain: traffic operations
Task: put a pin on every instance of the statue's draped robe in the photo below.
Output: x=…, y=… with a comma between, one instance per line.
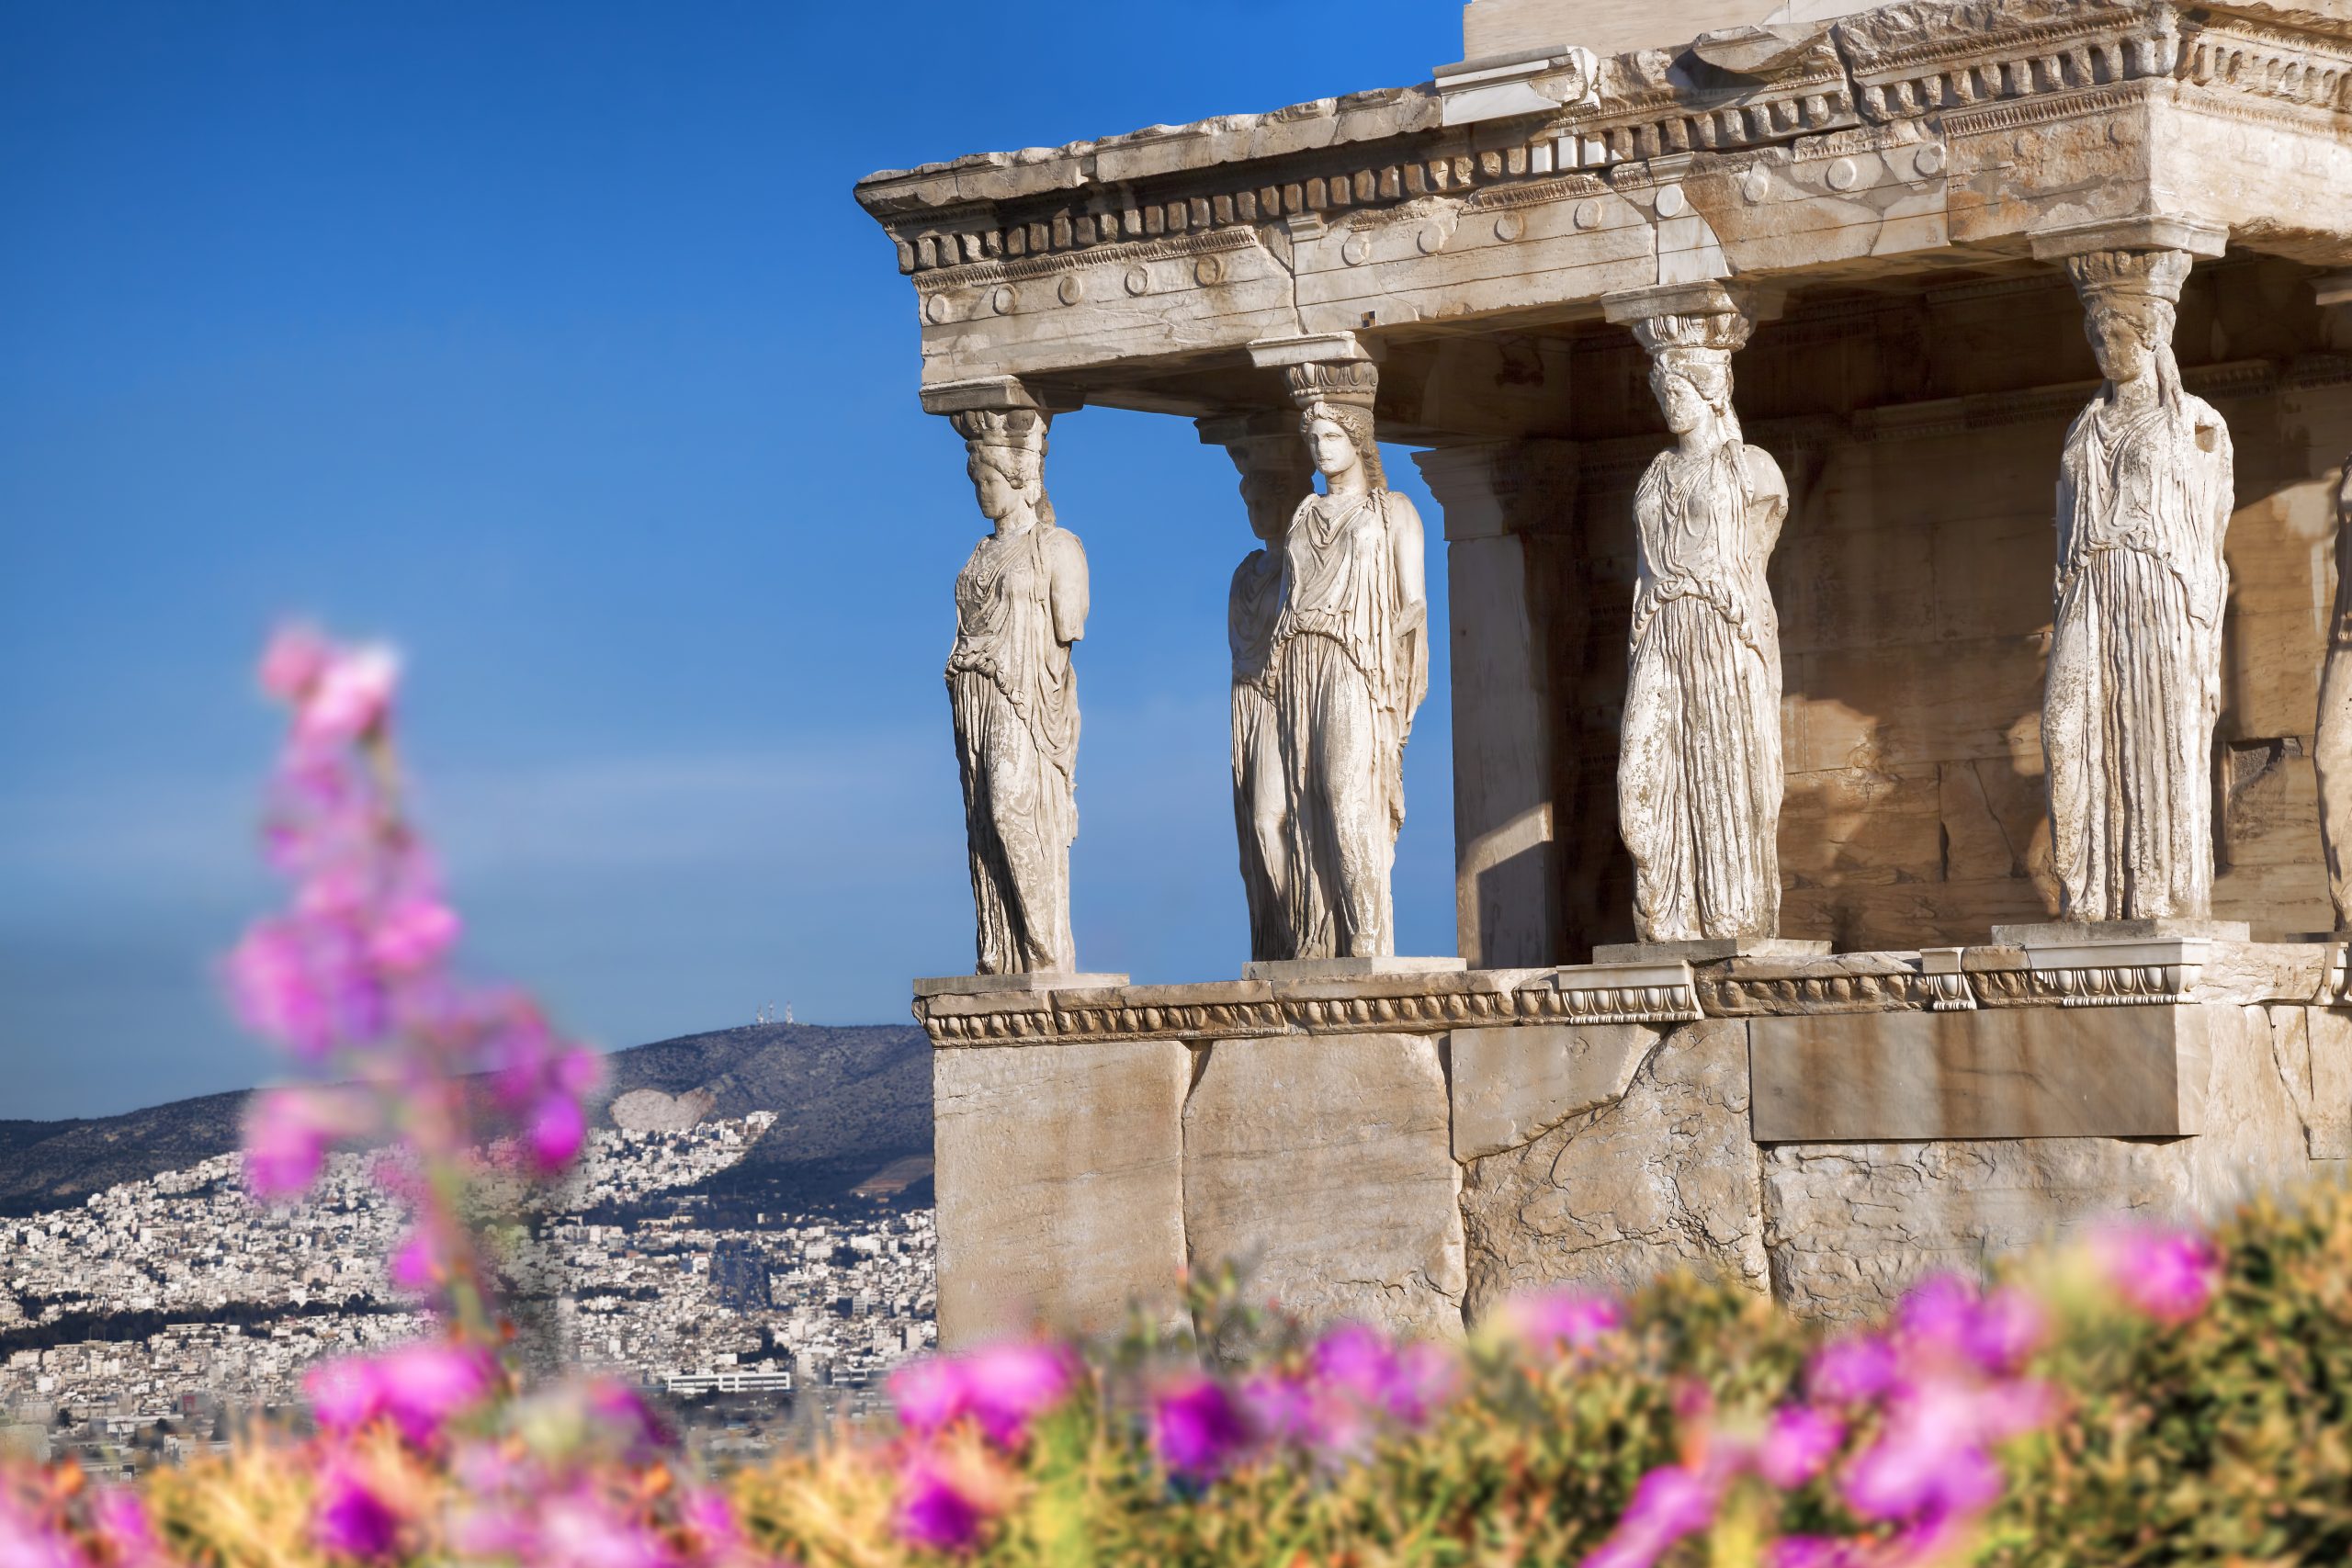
x=1699, y=778
x=1015, y=702
x=1351, y=666
x=1259, y=814
x=2135, y=658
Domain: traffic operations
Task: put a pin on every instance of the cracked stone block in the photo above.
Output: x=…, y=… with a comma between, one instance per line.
x=1060, y=1187
x=1512, y=1084
x=1851, y=1225
x=1322, y=1165
x=1661, y=1179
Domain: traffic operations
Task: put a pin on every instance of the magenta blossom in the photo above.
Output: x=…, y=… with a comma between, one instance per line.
x=1798, y=1446
x=1003, y=1387
x=287, y=1133
x=1851, y=1370
x=2170, y=1275
x=1669, y=1504
x=350, y=697
x=420, y=1388
x=1199, y=1428
x=1405, y=1383
x=934, y=1513
x=348, y=1519
x=291, y=665
x=1556, y=1321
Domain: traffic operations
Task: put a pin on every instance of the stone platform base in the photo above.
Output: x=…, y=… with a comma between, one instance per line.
x=1409, y=1148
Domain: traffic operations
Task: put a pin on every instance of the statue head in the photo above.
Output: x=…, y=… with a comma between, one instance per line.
x=1690, y=367
x=1335, y=401
x=2131, y=304
x=1006, y=461
x=1272, y=494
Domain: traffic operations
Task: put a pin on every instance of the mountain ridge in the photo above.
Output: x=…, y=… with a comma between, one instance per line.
x=850, y=1100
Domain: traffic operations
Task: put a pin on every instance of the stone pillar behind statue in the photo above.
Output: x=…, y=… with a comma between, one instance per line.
x=1700, y=774
x=1021, y=607
x=2332, y=749
x=2145, y=490
x=1498, y=499
x=1276, y=475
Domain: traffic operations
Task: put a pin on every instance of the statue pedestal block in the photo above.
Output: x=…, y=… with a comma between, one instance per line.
x=1710, y=950
x=1347, y=968
x=2087, y=933
x=1031, y=983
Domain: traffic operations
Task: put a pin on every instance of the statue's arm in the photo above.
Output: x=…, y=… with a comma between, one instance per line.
x=1068, y=563
x=1405, y=544
x=1768, y=491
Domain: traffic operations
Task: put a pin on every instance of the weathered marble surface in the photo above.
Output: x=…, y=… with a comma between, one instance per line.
x=2145, y=492
x=1512, y=1085
x=1276, y=473
x=1323, y=1165
x=1664, y=1177
x=1852, y=1224
x=2126, y=1072
x=1021, y=606
x=1349, y=664
x=1060, y=1182
x=1700, y=774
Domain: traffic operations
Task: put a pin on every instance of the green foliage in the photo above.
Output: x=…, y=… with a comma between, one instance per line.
x=2228, y=1440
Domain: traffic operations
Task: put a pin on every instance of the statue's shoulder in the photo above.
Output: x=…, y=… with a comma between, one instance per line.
x=1764, y=475
x=2212, y=430
x=1062, y=549
x=1399, y=509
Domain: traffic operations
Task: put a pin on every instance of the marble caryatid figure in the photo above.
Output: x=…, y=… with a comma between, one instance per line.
x=1275, y=472
x=2144, y=494
x=2332, y=751
x=1350, y=664
x=1019, y=604
x=1698, y=774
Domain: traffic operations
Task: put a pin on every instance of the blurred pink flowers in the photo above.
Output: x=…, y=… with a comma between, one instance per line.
x=1199, y=1428
x=2170, y=1275
x=420, y=1388
x=350, y=1520
x=1003, y=1388
x=932, y=1513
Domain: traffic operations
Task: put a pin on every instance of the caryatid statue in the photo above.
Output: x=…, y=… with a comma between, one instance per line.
x=1350, y=661
x=2333, y=753
x=1275, y=474
x=1019, y=606
x=1699, y=771
x=2145, y=496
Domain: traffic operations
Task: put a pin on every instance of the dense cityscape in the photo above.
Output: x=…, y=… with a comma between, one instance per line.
x=147, y=1324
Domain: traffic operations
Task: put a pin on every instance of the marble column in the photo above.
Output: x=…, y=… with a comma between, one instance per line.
x=2333, y=750
x=1700, y=773
x=1021, y=607
x=1504, y=505
x=1277, y=475
x=1350, y=660
x=2145, y=490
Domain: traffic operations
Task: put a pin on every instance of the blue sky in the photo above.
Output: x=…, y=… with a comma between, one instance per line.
x=546, y=340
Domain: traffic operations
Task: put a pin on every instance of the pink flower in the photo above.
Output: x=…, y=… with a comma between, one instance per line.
x=412, y=934
x=579, y=1531
x=348, y=1519
x=350, y=697
x=420, y=1388
x=1798, y=1446
x=30, y=1542
x=558, y=1129
x=1404, y=1384
x=933, y=1514
x=1008, y=1386
x=120, y=1519
x=271, y=986
x=416, y=1266
x=1198, y=1427
x=2170, y=1275
x=1280, y=1407
x=287, y=1133
x=292, y=663
x=2009, y=1328
x=928, y=1395
x=1851, y=1370
x=1554, y=1321
x=1669, y=1504
x=1813, y=1552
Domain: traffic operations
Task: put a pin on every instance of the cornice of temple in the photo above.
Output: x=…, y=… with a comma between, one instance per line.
x=1485, y=126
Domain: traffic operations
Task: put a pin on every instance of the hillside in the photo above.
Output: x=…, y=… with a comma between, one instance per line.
x=852, y=1103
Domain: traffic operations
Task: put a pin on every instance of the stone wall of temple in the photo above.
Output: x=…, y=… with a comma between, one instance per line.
x=1605, y=27
x=1914, y=578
